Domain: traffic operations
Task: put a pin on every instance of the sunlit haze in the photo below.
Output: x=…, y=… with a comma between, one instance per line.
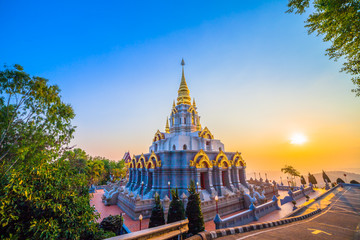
x=256, y=75
x=298, y=138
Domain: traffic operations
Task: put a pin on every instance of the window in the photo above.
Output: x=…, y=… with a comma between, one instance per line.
x=184, y=120
x=184, y=147
x=174, y=148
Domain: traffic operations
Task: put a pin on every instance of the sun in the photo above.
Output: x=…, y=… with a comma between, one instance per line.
x=298, y=139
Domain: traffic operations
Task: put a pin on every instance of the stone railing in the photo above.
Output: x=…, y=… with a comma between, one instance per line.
x=287, y=188
x=161, y=232
x=302, y=192
x=253, y=214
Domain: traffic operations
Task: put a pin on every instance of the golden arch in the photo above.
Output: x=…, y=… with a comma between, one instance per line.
x=142, y=159
x=158, y=136
x=205, y=133
x=191, y=109
x=139, y=164
x=133, y=162
x=222, y=160
x=150, y=164
x=201, y=160
x=155, y=160
x=238, y=160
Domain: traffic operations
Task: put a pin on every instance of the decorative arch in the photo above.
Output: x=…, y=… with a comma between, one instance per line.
x=201, y=160
x=237, y=160
x=191, y=109
x=222, y=160
x=205, y=133
x=142, y=159
x=154, y=159
x=158, y=136
x=133, y=162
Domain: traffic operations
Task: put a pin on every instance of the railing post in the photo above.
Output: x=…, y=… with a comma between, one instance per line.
x=275, y=200
x=253, y=208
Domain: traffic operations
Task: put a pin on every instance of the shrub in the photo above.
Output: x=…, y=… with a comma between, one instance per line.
x=157, y=214
x=339, y=180
x=354, y=182
x=193, y=211
x=112, y=223
x=176, y=209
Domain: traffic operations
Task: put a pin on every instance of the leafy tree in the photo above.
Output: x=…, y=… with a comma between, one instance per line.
x=339, y=22
x=339, y=180
x=303, y=182
x=325, y=177
x=176, y=208
x=157, y=214
x=40, y=196
x=312, y=179
x=96, y=171
x=193, y=211
x=113, y=224
x=354, y=182
x=290, y=170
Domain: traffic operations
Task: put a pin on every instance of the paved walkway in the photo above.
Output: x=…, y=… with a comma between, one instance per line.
x=339, y=219
x=106, y=211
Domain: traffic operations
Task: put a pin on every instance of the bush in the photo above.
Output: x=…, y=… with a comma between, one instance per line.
x=176, y=209
x=354, y=182
x=293, y=202
x=157, y=214
x=193, y=211
x=339, y=180
x=112, y=223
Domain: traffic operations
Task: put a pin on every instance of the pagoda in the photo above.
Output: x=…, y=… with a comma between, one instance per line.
x=185, y=151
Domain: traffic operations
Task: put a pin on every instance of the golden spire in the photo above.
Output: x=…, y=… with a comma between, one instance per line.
x=194, y=104
x=183, y=92
x=198, y=125
x=167, y=129
x=174, y=104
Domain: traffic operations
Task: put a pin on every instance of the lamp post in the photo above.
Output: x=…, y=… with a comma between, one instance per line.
x=169, y=189
x=140, y=219
x=216, y=201
x=142, y=189
x=197, y=187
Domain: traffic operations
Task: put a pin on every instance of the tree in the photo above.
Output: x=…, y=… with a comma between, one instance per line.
x=312, y=179
x=40, y=196
x=339, y=22
x=290, y=170
x=176, y=208
x=303, y=182
x=325, y=177
x=96, y=171
x=157, y=214
x=193, y=211
x=339, y=180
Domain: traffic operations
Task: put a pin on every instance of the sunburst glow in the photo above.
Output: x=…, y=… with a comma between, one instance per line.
x=298, y=139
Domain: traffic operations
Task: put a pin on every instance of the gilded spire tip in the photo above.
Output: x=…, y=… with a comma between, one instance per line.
x=183, y=92
x=167, y=129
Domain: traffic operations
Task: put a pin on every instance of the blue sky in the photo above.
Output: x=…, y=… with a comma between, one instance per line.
x=256, y=75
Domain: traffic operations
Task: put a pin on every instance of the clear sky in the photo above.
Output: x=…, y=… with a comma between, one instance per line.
x=256, y=75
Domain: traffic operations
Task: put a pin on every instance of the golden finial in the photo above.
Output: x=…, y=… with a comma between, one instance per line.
x=198, y=125
x=167, y=129
x=183, y=92
x=174, y=104
x=194, y=104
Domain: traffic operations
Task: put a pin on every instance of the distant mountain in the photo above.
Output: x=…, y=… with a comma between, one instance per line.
x=333, y=175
